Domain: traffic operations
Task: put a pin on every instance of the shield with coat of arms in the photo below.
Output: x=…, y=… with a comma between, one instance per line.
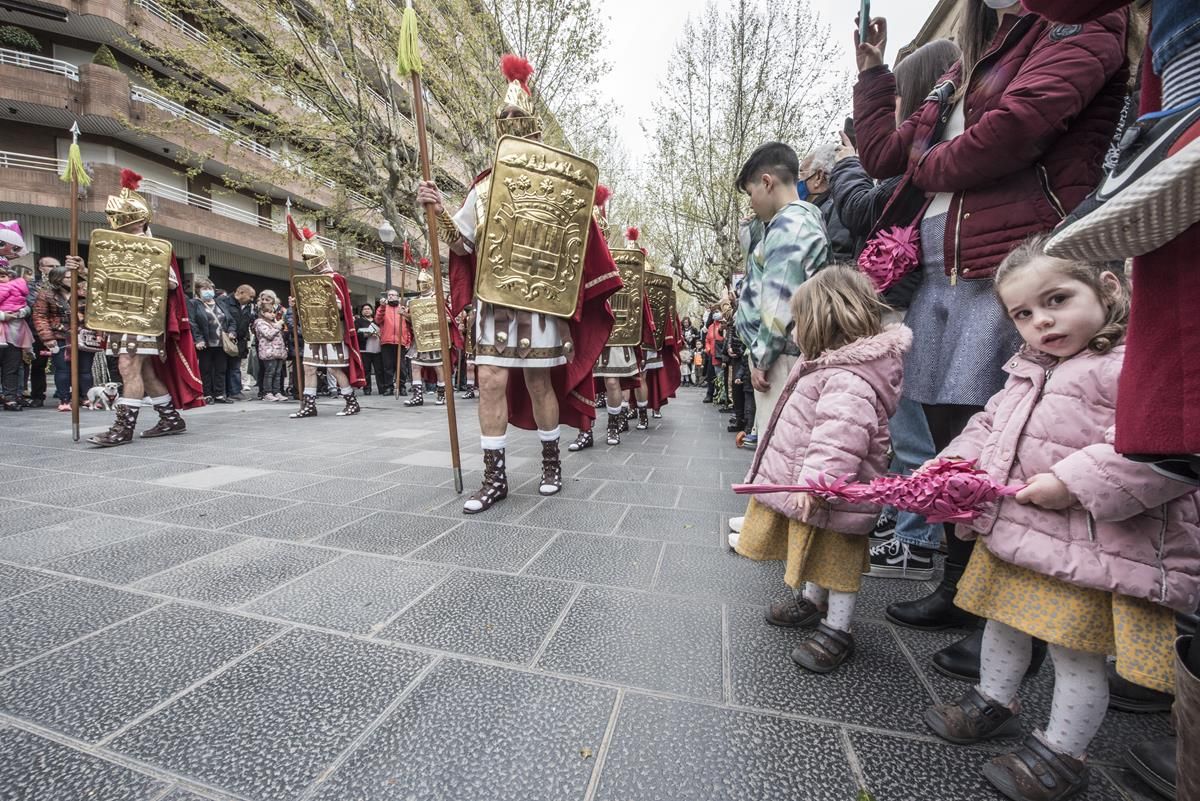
x=661, y=289
x=627, y=301
x=536, y=228
x=128, y=283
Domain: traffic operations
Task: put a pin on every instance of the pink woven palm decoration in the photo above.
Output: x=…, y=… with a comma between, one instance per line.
x=950, y=491
x=891, y=255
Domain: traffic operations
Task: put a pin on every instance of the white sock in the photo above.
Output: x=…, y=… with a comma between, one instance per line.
x=1004, y=659
x=614, y=409
x=624, y=406
x=815, y=593
x=347, y=391
x=548, y=436
x=643, y=404
x=310, y=391
x=441, y=384
x=129, y=402
x=1181, y=78
x=493, y=443
x=1080, y=700
x=841, y=610
x=160, y=400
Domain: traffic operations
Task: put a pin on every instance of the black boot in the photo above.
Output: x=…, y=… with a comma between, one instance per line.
x=935, y=611
x=960, y=660
x=1154, y=762
x=1126, y=696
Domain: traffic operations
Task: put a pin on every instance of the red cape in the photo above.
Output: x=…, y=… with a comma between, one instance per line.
x=180, y=371
x=662, y=383
x=590, y=326
x=349, y=333
x=648, y=329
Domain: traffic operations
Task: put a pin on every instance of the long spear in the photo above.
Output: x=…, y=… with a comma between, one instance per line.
x=75, y=175
x=293, y=233
x=404, y=262
x=409, y=60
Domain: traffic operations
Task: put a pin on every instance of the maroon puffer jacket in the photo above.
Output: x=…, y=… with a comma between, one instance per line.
x=1041, y=108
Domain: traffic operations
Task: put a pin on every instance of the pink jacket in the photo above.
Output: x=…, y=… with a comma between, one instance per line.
x=1133, y=531
x=271, y=344
x=832, y=420
x=13, y=295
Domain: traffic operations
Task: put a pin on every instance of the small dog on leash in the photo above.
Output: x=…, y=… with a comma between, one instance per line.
x=104, y=396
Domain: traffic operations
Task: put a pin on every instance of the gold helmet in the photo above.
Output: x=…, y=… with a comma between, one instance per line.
x=517, y=98
x=313, y=254
x=424, y=278
x=127, y=206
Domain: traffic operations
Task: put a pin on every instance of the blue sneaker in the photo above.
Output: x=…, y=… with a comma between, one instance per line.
x=751, y=439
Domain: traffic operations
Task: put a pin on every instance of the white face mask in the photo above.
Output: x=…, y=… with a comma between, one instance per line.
x=1000, y=4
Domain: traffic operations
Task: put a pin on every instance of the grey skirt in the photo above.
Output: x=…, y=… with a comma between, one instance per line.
x=961, y=335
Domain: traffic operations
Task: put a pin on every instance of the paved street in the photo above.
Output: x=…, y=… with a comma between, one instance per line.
x=274, y=609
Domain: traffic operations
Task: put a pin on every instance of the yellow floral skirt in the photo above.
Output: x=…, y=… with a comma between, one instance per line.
x=832, y=560
x=1138, y=633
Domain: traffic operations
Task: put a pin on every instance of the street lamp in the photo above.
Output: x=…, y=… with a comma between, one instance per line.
x=387, y=235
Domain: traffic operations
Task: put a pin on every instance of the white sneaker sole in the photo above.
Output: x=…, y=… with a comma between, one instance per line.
x=1151, y=212
x=910, y=573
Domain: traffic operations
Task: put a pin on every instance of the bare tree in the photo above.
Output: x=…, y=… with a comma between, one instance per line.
x=742, y=74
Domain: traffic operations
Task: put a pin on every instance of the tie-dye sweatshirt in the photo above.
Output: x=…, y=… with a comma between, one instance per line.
x=789, y=249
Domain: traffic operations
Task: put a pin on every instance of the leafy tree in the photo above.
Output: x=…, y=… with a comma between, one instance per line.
x=19, y=39
x=105, y=57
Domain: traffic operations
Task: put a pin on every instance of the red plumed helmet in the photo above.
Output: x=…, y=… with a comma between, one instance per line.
x=603, y=193
x=424, y=263
x=308, y=234
x=632, y=233
x=515, y=68
x=130, y=180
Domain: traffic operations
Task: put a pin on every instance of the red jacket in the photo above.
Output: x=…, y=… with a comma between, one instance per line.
x=1041, y=107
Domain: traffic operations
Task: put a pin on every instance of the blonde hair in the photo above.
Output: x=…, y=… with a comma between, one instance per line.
x=1116, y=304
x=834, y=308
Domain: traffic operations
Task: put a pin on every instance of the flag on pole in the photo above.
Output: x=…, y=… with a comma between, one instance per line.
x=74, y=171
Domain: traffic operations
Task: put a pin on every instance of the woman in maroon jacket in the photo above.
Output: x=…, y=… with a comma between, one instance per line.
x=1034, y=107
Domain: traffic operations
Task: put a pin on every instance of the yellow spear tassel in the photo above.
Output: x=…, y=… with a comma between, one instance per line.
x=74, y=169
x=408, y=52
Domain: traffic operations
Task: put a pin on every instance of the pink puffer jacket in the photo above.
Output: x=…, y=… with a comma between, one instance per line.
x=1133, y=531
x=832, y=420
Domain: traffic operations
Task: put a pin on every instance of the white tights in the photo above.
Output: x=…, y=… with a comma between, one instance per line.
x=1080, y=685
x=841, y=605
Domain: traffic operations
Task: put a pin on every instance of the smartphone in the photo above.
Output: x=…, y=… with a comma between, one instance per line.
x=848, y=130
x=864, y=19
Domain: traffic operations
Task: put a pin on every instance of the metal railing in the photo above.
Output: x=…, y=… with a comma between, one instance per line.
x=27, y=161
x=30, y=61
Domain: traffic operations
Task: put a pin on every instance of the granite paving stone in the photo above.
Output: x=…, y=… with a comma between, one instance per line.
x=640, y=494
x=388, y=533
x=482, y=544
x=269, y=725
x=29, y=517
x=598, y=559
x=226, y=512
x=640, y=640
x=34, y=623
x=70, y=536
x=337, y=490
x=238, y=573
x=512, y=509
x=138, y=557
x=719, y=573
x=302, y=521
x=666, y=750
x=16, y=580
x=672, y=525
x=274, y=483
x=480, y=731
x=484, y=614
x=154, y=501
x=88, y=690
x=412, y=498
x=606, y=472
x=590, y=516
x=355, y=593
x=32, y=767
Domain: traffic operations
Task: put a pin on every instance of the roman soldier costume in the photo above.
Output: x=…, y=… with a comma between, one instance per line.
x=426, y=350
x=662, y=373
x=135, y=296
x=538, y=274
x=326, y=318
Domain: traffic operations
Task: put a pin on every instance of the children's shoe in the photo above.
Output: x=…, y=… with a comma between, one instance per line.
x=64, y=407
x=1148, y=199
x=825, y=650
x=897, y=559
x=732, y=539
x=1036, y=772
x=750, y=439
x=973, y=719
x=736, y=523
x=797, y=613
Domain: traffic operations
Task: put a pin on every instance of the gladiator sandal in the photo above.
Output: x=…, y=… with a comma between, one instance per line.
x=551, y=469
x=122, y=428
x=583, y=441
x=469, y=394
x=169, y=422
x=625, y=415
x=614, y=429
x=352, y=406
x=495, y=484
x=418, y=396
x=601, y=401
x=656, y=414
x=441, y=395
x=643, y=418
x=308, y=407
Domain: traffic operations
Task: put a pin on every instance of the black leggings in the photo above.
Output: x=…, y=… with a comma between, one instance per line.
x=10, y=372
x=213, y=362
x=947, y=421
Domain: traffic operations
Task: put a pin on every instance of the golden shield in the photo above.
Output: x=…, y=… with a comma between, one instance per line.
x=316, y=303
x=423, y=314
x=661, y=289
x=128, y=283
x=535, y=231
x=627, y=302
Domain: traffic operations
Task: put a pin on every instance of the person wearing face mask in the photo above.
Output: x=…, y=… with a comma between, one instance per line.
x=815, y=186
x=209, y=319
x=1019, y=141
x=395, y=336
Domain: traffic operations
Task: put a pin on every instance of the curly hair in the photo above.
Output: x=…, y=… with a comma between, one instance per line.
x=1116, y=303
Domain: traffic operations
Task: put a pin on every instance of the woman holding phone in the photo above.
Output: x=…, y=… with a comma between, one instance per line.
x=1023, y=136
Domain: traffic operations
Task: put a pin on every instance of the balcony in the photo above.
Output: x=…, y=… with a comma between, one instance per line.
x=29, y=61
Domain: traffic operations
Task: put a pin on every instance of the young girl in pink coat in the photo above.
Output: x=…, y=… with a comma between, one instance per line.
x=1091, y=556
x=831, y=421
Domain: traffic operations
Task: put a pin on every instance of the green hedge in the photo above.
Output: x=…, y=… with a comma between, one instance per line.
x=18, y=39
x=105, y=57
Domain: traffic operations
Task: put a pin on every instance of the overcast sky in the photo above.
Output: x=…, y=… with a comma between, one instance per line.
x=642, y=34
